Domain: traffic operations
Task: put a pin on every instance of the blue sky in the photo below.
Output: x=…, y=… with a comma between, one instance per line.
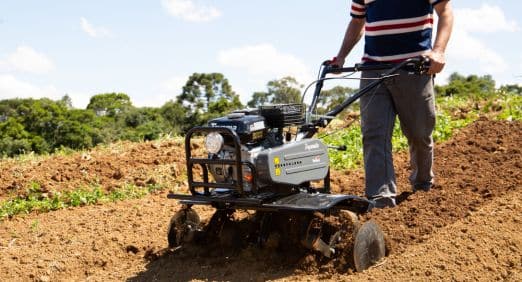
x=148, y=49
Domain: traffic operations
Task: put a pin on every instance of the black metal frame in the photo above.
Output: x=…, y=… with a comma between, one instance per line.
x=417, y=65
x=302, y=201
x=203, y=162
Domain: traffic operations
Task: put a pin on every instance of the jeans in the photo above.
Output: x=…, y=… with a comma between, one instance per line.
x=411, y=98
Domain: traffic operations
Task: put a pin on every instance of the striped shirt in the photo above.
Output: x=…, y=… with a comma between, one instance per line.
x=395, y=30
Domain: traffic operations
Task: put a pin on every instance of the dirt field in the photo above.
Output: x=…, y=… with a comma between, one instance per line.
x=466, y=228
x=134, y=163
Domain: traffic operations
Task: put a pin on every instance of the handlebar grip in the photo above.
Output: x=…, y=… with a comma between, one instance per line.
x=424, y=64
x=420, y=65
x=331, y=63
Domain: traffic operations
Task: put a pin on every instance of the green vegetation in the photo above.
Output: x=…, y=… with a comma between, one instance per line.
x=512, y=107
x=39, y=201
x=45, y=126
x=331, y=98
x=207, y=96
x=35, y=225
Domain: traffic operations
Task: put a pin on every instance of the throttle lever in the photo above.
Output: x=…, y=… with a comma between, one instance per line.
x=419, y=66
x=424, y=65
x=338, y=148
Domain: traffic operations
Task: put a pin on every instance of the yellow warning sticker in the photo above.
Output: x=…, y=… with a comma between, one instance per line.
x=276, y=160
x=277, y=171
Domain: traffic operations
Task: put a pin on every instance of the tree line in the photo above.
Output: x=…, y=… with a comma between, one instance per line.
x=45, y=125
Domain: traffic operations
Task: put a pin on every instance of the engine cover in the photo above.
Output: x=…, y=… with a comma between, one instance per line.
x=249, y=128
x=293, y=163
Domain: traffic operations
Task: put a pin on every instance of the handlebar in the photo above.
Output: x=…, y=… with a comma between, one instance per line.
x=415, y=65
x=419, y=65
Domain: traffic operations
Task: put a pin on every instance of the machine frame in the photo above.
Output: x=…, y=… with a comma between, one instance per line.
x=303, y=198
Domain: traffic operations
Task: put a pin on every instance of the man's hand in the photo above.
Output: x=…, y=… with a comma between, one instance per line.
x=338, y=62
x=444, y=27
x=437, y=61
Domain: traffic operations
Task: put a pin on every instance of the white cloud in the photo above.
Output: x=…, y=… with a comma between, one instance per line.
x=11, y=87
x=265, y=62
x=26, y=59
x=464, y=47
x=191, y=10
x=91, y=30
x=467, y=49
x=487, y=18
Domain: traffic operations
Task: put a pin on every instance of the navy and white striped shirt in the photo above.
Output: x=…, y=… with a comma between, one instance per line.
x=395, y=30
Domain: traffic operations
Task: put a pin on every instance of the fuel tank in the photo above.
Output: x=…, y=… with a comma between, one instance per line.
x=293, y=163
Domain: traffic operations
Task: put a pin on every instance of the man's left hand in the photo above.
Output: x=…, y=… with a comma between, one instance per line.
x=437, y=61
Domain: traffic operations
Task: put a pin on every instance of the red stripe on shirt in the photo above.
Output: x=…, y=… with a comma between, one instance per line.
x=368, y=60
x=397, y=26
x=357, y=9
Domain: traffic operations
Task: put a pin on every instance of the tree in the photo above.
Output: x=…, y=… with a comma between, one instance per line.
x=14, y=139
x=282, y=91
x=470, y=85
x=511, y=89
x=149, y=131
x=258, y=99
x=43, y=125
x=285, y=90
x=41, y=116
x=207, y=95
x=109, y=104
x=174, y=114
x=29, y=125
x=331, y=98
x=82, y=116
x=67, y=101
x=14, y=129
x=74, y=135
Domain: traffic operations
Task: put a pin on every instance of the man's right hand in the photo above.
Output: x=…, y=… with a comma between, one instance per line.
x=337, y=62
x=437, y=61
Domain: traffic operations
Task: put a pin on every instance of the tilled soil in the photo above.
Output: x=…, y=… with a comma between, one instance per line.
x=466, y=227
x=111, y=167
x=484, y=246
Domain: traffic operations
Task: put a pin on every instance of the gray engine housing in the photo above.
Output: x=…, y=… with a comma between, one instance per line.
x=293, y=163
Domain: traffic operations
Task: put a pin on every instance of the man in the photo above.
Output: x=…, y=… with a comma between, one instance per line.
x=394, y=31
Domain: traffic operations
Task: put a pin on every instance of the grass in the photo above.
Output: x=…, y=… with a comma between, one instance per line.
x=35, y=226
x=453, y=113
x=512, y=110
x=38, y=201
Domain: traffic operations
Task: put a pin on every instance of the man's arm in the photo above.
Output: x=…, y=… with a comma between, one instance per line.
x=444, y=27
x=353, y=34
